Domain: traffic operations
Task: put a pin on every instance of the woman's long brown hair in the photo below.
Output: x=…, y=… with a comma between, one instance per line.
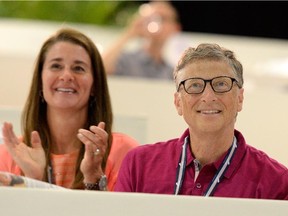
x=34, y=115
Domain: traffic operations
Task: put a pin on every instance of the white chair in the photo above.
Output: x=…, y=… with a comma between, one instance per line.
x=12, y=115
x=132, y=125
x=1, y=137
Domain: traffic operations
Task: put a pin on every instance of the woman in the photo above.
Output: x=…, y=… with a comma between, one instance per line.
x=68, y=105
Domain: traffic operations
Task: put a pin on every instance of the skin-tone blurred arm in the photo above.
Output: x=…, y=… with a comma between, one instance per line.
x=31, y=160
x=112, y=53
x=93, y=139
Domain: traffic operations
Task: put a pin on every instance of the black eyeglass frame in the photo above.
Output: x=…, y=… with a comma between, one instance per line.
x=210, y=82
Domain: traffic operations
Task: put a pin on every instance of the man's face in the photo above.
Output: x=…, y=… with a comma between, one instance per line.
x=208, y=111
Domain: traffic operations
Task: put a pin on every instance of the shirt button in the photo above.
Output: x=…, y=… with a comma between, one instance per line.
x=198, y=185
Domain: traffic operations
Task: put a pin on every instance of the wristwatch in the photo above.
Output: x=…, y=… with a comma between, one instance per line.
x=100, y=185
x=103, y=183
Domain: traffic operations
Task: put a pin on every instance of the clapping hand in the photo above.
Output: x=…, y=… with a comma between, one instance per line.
x=95, y=141
x=31, y=160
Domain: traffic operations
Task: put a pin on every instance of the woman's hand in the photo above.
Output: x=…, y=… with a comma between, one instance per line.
x=31, y=160
x=95, y=141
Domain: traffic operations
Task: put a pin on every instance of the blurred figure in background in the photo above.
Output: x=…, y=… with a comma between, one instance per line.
x=154, y=23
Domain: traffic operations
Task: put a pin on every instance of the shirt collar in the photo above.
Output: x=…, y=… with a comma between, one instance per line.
x=239, y=153
x=179, y=145
x=241, y=146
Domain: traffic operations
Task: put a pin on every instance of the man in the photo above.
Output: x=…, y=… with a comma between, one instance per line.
x=155, y=23
x=211, y=158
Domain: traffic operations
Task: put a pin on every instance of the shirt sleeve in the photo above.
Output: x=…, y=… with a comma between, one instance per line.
x=284, y=185
x=121, y=144
x=125, y=181
x=7, y=164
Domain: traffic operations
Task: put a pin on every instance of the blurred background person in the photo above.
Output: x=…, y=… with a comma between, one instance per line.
x=154, y=24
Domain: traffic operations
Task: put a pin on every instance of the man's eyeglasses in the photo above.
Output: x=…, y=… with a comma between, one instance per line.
x=219, y=84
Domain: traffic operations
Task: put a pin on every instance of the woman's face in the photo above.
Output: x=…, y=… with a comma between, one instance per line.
x=67, y=77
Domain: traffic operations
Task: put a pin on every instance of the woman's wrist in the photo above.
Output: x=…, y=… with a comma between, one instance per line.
x=99, y=184
x=92, y=177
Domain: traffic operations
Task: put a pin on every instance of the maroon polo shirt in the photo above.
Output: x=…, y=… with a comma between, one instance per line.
x=251, y=174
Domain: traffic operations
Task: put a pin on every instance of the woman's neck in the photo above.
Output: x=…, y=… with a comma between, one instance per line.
x=64, y=128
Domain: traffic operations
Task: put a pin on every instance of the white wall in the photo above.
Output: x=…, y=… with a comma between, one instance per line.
x=35, y=202
x=262, y=121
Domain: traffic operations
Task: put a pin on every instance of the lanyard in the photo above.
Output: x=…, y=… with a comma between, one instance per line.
x=217, y=177
x=50, y=174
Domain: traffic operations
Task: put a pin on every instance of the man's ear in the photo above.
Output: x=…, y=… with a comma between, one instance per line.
x=177, y=103
x=240, y=99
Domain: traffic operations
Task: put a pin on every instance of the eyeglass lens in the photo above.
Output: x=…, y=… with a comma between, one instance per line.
x=218, y=84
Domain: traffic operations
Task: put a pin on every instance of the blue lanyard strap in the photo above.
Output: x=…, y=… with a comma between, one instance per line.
x=222, y=169
x=50, y=174
x=218, y=176
x=181, y=167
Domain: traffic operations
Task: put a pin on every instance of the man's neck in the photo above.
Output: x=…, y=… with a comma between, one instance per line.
x=209, y=148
